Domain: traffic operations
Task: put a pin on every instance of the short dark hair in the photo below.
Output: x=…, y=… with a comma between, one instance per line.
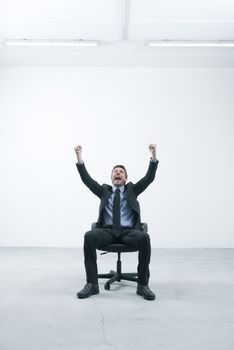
x=121, y=166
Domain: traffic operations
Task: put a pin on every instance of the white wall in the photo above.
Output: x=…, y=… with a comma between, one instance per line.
x=115, y=113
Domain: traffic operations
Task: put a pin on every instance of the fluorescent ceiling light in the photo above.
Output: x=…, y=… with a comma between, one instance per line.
x=95, y=43
x=190, y=43
x=51, y=42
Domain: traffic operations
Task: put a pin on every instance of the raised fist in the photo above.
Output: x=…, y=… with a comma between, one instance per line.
x=152, y=148
x=78, y=150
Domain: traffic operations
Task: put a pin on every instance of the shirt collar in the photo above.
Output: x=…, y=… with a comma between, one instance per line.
x=121, y=188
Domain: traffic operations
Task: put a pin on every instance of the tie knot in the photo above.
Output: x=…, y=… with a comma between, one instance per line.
x=117, y=190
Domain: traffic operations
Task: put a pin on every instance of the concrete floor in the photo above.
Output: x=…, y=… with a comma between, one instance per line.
x=39, y=309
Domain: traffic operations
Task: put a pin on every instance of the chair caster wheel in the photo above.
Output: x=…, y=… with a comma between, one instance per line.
x=107, y=286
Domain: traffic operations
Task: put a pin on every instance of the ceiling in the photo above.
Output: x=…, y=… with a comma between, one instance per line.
x=102, y=20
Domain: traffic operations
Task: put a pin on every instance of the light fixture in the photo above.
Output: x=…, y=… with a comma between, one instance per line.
x=191, y=43
x=51, y=42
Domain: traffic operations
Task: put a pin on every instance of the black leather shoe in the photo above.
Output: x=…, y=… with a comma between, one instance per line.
x=145, y=292
x=88, y=290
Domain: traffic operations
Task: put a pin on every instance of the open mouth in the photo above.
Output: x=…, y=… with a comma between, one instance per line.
x=117, y=177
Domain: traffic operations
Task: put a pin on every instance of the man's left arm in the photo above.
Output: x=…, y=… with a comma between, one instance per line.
x=142, y=184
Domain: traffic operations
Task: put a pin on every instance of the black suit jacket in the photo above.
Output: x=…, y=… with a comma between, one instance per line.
x=132, y=191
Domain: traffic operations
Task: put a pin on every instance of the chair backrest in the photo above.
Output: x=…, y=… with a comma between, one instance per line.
x=144, y=226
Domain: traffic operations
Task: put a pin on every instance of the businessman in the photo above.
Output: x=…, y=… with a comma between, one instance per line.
x=119, y=221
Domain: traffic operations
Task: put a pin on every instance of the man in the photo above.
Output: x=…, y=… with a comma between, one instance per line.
x=119, y=221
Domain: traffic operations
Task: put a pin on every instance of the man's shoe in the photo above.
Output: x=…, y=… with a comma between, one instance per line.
x=89, y=289
x=145, y=292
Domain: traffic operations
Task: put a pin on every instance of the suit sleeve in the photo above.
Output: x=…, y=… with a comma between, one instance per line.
x=93, y=185
x=142, y=184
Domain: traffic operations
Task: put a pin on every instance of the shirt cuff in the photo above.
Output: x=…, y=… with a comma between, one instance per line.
x=153, y=160
x=80, y=162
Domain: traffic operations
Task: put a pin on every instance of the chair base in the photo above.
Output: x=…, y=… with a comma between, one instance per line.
x=115, y=276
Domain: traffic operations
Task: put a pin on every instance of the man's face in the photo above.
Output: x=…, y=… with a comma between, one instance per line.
x=118, y=177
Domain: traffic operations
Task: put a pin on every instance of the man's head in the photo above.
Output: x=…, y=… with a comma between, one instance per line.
x=119, y=175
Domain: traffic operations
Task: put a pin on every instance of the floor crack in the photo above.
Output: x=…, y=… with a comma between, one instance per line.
x=103, y=327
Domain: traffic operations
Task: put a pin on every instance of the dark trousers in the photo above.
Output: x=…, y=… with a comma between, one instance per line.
x=102, y=236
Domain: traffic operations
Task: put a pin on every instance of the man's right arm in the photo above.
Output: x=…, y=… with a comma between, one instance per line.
x=142, y=184
x=93, y=185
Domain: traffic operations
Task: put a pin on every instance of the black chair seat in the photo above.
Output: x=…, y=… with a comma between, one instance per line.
x=118, y=248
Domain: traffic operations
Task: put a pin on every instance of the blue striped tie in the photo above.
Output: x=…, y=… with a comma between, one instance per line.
x=116, y=212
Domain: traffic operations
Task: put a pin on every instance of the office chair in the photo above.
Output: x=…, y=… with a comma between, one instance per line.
x=118, y=248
